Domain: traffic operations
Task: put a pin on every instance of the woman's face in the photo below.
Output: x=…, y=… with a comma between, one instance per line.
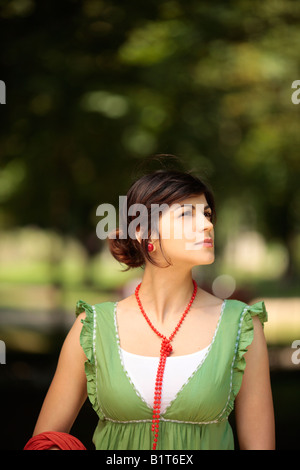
x=183, y=228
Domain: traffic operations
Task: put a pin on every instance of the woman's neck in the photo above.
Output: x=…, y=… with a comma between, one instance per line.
x=165, y=293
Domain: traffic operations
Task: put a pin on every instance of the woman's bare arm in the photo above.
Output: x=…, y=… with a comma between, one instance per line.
x=68, y=390
x=254, y=404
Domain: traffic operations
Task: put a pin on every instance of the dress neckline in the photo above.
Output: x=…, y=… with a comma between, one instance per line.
x=182, y=356
x=203, y=360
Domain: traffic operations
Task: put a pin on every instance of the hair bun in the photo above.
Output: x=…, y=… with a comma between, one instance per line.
x=125, y=250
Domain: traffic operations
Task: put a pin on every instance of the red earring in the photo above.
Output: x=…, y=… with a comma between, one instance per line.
x=150, y=247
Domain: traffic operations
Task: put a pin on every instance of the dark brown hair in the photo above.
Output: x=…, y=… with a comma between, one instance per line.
x=158, y=187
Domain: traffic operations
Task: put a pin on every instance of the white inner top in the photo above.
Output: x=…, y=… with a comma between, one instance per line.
x=142, y=372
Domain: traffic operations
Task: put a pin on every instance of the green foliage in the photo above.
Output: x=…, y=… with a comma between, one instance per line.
x=94, y=87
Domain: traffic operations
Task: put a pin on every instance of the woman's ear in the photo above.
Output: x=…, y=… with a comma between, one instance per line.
x=150, y=245
x=138, y=234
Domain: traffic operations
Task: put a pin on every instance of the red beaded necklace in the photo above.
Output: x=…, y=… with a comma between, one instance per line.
x=165, y=351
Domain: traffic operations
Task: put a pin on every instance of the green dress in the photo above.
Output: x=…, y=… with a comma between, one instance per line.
x=197, y=418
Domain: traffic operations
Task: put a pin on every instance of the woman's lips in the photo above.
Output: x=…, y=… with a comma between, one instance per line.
x=208, y=242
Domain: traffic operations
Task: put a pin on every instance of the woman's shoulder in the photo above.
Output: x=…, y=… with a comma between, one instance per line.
x=207, y=299
x=127, y=304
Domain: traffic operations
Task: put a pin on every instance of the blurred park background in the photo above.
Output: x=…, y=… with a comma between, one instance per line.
x=93, y=88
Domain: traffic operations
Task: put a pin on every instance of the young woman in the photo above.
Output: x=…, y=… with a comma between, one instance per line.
x=164, y=367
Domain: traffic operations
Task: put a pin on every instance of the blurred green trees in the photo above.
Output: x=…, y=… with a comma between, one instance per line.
x=94, y=87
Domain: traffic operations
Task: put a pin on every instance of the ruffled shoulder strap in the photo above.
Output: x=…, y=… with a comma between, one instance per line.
x=244, y=339
x=87, y=341
x=87, y=331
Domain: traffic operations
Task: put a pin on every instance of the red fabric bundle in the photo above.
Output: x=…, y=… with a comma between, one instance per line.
x=48, y=439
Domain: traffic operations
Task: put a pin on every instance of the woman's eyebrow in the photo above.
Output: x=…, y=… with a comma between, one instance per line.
x=192, y=206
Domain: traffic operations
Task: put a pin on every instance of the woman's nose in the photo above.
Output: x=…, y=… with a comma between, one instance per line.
x=203, y=225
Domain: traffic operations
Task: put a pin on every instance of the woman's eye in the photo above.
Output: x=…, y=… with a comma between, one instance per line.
x=207, y=214
x=186, y=213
